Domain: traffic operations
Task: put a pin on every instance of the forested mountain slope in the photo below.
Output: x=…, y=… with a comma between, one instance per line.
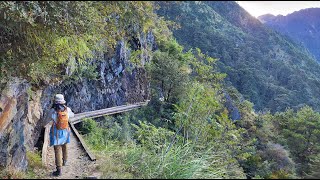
x=269, y=69
x=302, y=26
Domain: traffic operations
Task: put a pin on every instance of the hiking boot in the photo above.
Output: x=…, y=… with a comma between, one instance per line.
x=57, y=172
x=64, y=163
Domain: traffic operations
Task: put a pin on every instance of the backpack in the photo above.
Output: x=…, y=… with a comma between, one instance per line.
x=62, y=119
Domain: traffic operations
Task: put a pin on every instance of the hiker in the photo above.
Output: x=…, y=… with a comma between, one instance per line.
x=60, y=131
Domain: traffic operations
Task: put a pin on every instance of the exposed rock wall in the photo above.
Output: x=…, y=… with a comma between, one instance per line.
x=20, y=112
x=23, y=111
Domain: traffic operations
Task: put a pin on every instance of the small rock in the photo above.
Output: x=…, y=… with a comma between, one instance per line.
x=90, y=177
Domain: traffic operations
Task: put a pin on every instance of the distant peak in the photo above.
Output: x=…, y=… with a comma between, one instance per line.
x=266, y=18
x=267, y=15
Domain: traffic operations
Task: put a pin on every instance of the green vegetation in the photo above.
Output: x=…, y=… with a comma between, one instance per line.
x=288, y=140
x=191, y=135
x=266, y=68
x=41, y=39
x=35, y=168
x=183, y=146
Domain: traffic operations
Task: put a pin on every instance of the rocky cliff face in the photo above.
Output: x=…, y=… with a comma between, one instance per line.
x=20, y=113
x=24, y=110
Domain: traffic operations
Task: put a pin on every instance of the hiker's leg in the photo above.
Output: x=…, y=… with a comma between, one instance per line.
x=58, y=158
x=64, y=153
x=58, y=155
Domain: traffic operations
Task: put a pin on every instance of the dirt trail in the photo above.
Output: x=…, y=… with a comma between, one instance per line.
x=79, y=165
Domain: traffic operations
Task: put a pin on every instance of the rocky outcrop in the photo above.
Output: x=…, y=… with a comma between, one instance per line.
x=233, y=110
x=24, y=110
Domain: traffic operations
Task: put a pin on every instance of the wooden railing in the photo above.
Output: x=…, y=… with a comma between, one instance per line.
x=45, y=144
x=91, y=156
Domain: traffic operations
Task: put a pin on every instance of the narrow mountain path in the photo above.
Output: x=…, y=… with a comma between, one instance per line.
x=79, y=165
x=80, y=162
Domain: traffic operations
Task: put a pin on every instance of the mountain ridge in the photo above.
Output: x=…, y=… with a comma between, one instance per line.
x=303, y=26
x=269, y=69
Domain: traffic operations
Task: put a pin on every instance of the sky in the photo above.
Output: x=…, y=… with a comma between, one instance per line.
x=257, y=8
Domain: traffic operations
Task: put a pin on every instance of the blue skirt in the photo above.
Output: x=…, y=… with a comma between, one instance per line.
x=59, y=137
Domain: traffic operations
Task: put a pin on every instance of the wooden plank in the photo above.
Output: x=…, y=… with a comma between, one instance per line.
x=86, y=114
x=94, y=115
x=92, y=157
x=111, y=109
x=108, y=111
x=45, y=144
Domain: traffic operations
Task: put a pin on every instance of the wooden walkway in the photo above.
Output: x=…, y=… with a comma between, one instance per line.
x=78, y=118
x=103, y=112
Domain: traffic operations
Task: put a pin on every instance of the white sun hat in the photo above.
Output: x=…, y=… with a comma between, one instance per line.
x=59, y=99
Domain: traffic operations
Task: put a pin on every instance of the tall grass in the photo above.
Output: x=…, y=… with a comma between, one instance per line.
x=123, y=158
x=181, y=162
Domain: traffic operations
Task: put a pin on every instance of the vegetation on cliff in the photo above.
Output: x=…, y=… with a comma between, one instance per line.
x=46, y=41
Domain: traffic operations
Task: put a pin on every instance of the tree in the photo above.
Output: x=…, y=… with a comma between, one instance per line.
x=169, y=75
